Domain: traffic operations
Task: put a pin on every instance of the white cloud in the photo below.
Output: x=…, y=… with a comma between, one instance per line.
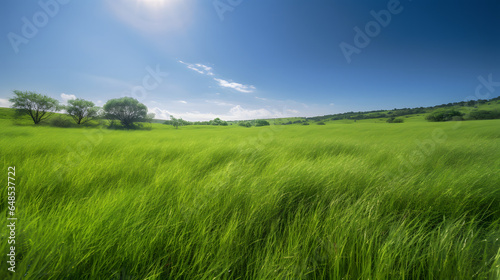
x=235, y=86
x=332, y=104
x=66, y=97
x=207, y=70
x=5, y=103
x=292, y=111
x=182, y=101
x=239, y=113
x=200, y=68
x=235, y=113
x=260, y=98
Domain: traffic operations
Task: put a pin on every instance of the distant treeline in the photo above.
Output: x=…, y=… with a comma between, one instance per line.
x=377, y=114
x=180, y=122
x=217, y=122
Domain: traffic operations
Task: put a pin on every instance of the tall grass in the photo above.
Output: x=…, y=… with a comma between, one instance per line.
x=347, y=201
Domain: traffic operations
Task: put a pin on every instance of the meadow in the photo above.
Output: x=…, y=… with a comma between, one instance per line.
x=364, y=200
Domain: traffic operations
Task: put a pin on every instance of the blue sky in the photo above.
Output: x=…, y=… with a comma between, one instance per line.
x=242, y=59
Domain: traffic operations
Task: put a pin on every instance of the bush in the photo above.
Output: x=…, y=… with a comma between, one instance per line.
x=305, y=123
x=394, y=120
x=443, y=116
x=245, y=124
x=261, y=123
x=60, y=121
x=320, y=123
x=484, y=115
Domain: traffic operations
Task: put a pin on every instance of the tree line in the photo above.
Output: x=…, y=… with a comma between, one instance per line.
x=394, y=113
x=126, y=110
x=177, y=122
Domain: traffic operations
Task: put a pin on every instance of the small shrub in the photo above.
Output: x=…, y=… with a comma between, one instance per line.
x=484, y=115
x=395, y=120
x=261, y=123
x=442, y=116
x=60, y=121
x=320, y=123
x=305, y=123
x=245, y=124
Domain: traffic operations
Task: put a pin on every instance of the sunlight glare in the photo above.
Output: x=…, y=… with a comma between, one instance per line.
x=153, y=16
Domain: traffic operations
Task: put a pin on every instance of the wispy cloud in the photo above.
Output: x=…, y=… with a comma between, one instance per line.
x=182, y=101
x=207, y=70
x=236, y=86
x=5, y=103
x=200, y=68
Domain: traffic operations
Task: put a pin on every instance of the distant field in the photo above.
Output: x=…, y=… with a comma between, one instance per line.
x=345, y=200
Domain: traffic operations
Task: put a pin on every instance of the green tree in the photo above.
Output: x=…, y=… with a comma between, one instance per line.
x=176, y=122
x=39, y=107
x=81, y=110
x=218, y=121
x=127, y=110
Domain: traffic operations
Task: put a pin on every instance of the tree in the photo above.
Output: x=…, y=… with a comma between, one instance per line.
x=176, y=122
x=81, y=110
x=127, y=110
x=218, y=121
x=39, y=107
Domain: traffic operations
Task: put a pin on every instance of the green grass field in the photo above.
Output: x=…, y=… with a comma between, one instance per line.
x=365, y=200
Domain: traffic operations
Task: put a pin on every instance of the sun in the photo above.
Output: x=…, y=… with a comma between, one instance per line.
x=153, y=16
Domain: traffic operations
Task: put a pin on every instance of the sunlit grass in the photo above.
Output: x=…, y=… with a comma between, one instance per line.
x=341, y=201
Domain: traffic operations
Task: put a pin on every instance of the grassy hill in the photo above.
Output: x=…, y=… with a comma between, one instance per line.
x=409, y=114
